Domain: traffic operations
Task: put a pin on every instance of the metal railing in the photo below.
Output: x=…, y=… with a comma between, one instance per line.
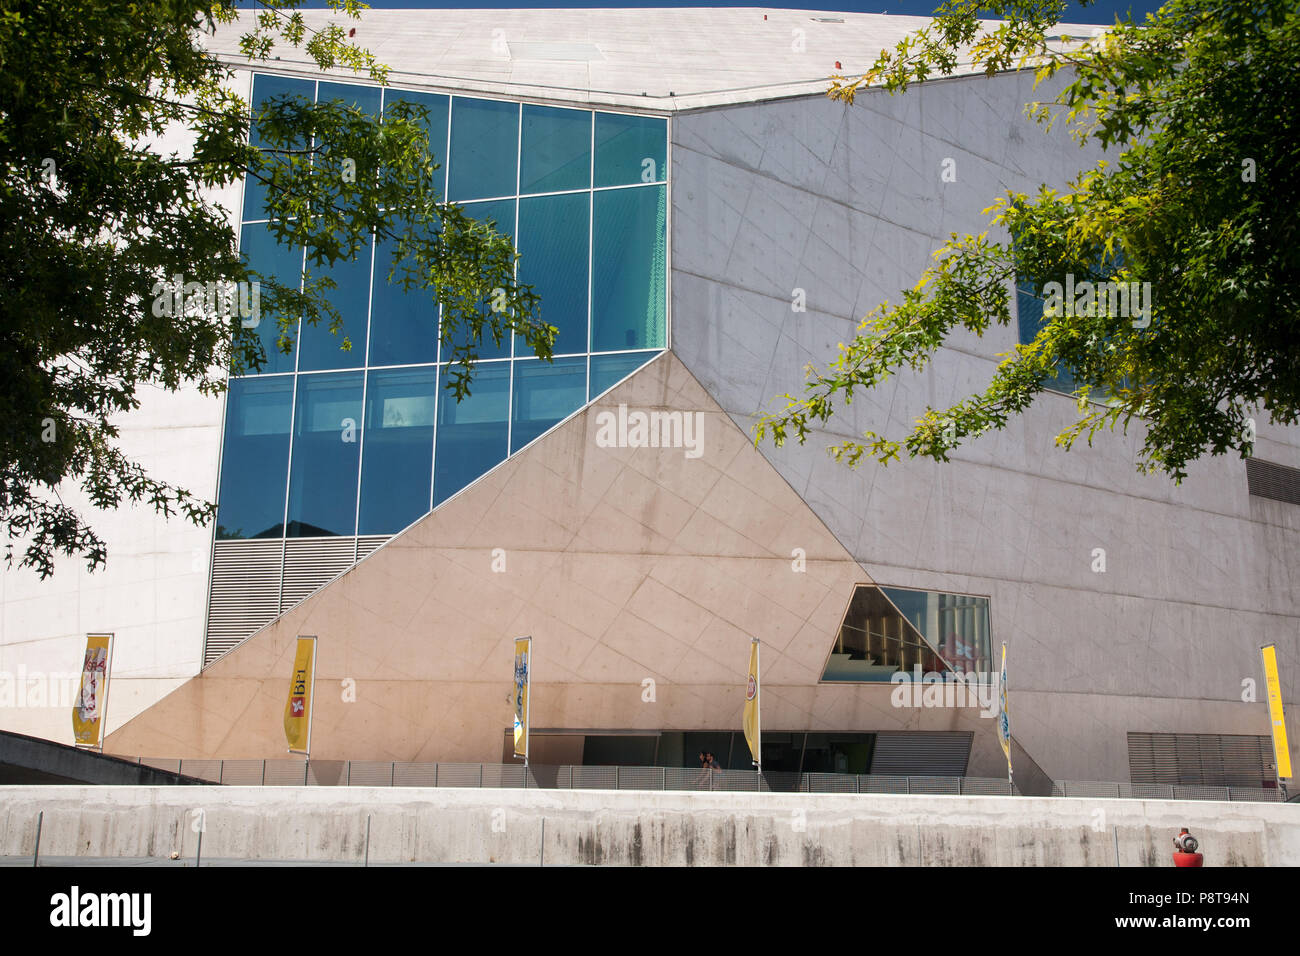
x=1163, y=791
x=374, y=773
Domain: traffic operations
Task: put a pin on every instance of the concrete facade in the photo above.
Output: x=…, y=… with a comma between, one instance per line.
x=634, y=564
x=847, y=204
x=626, y=565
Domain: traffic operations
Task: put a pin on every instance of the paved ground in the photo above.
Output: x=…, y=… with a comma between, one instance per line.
x=59, y=861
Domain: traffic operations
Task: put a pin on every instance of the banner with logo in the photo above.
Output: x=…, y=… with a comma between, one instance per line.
x=92, y=699
x=751, y=723
x=1004, y=721
x=1281, y=750
x=297, y=709
x=523, y=667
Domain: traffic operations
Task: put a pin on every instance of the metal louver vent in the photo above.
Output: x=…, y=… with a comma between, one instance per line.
x=310, y=563
x=1266, y=479
x=1210, y=760
x=244, y=594
x=368, y=543
x=921, y=753
x=253, y=582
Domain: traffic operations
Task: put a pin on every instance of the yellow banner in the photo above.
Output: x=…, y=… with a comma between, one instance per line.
x=1004, y=719
x=523, y=670
x=88, y=711
x=297, y=709
x=1281, y=750
x=753, y=730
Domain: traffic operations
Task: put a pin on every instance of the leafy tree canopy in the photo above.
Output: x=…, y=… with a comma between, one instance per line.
x=98, y=219
x=1198, y=109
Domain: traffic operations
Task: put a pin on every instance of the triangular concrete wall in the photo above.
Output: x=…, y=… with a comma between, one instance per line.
x=624, y=564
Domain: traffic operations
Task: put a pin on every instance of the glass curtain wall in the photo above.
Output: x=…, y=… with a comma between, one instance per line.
x=327, y=441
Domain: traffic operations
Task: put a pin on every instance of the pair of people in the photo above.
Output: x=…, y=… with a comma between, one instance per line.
x=707, y=762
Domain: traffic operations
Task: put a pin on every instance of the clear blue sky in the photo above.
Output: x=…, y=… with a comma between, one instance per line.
x=1102, y=11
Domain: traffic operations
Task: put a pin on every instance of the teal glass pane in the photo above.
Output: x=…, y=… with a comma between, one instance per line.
x=364, y=98
x=435, y=124
x=545, y=393
x=552, y=250
x=283, y=263
x=471, y=433
x=265, y=88
x=397, y=466
x=254, y=458
x=484, y=149
x=556, y=153
x=630, y=149
x=403, y=324
x=608, y=370
x=628, y=309
x=326, y=450
x=954, y=625
x=501, y=212
x=322, y=349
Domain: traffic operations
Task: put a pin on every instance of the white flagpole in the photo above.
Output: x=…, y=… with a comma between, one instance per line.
x=108, y=672
x=311, y=710
x=528, y=723
x=758, y=703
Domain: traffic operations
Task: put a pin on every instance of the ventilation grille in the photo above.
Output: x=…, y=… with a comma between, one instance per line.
x=368, y=544
x=310, y=563
x=1265, y=479
x=253, y=582
x=1207, y=760
x=919, y=754
x=245, y=593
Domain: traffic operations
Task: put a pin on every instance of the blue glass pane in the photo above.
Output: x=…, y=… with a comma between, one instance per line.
x=501, y=212
x=322, y=349
x=556, y=153
x=284, y=263
x=267, y=87
x=397, y=466
x=552, y=250
x=608, y=370
x=545, y=393
x=630, y=149
x=435, y=125
x=471, y=433
x=1029, y=319
x=364, y=98
x=403, y=324
x=484, y=149
x=628, y=270
x=254, y=458
x=326, y=449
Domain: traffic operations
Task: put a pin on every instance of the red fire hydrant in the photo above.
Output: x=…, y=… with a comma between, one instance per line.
x=1185, y=850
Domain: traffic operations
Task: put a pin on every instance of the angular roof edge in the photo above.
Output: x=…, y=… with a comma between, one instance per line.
x=654, y=60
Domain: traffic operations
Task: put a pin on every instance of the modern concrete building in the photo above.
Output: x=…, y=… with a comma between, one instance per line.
x=702, y=223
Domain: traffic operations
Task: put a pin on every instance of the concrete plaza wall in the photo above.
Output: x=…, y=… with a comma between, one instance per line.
x=631, y=828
